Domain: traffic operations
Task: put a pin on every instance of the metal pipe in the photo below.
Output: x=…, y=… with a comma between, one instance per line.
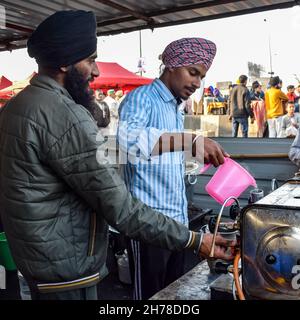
x=211, y=254
x=274, y=184
x=259, y=156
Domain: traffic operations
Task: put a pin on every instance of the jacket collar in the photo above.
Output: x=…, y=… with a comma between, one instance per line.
x=48, y=83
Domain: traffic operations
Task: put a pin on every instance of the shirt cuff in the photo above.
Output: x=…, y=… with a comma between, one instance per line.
x=195, y=241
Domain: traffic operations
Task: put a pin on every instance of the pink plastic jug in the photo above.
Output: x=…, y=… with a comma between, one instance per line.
x=230, y=179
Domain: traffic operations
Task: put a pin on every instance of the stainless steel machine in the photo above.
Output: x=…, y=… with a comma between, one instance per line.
x=270, y=245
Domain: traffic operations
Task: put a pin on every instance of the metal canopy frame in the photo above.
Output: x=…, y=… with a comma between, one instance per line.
x=22, y=16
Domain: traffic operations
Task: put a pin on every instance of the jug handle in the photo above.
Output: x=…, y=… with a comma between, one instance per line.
x=208, y=165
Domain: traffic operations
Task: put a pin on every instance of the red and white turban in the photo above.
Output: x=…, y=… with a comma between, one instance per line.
x=187, y=51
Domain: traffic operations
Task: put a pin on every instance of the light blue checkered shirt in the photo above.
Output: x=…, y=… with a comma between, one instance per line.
x=158, y=181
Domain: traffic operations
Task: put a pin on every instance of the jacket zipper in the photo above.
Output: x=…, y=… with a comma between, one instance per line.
x=92, y=234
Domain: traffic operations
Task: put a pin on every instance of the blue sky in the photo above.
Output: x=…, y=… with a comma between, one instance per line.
x=239, y=40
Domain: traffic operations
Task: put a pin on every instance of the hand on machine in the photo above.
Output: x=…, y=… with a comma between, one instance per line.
x=226, y=233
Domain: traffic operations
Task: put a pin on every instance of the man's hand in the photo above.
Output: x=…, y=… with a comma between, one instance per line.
x=221, y=247
x=213, y=152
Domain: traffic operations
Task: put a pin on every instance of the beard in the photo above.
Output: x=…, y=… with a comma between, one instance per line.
x=78, y=87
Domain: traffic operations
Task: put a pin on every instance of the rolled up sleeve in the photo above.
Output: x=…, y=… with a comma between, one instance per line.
x=136, y=139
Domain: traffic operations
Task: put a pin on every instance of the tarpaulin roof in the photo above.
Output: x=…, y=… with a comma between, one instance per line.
x=112, y=75
x=18, y=18
x=4, y=82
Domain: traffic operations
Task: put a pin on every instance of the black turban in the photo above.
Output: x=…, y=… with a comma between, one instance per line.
x=63, y=39
x=274, y=81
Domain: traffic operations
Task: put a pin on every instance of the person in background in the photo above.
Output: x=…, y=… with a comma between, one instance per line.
x=59, y=193
x=258, y=107
x=256, y=92
x=218, y=96
x=297, y=98
x=291, y=121
x=275, y=100
x=207, y=92
x=151, y=132
x=208, y=97
x=230, y=87
x=291, y=93
x=101, y=114
x=101, y=111
x=124, y=96
x=240, y=109
x=99, y=95
x=294, y=152
x=119, y=95
x=112, y=103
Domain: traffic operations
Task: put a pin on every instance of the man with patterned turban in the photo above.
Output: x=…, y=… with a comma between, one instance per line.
x=58, y=193
x=151, y=139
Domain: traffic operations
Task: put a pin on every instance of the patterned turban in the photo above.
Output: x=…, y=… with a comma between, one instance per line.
x=187, y=51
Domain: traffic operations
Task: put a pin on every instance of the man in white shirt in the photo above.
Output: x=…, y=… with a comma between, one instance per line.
x=112, y=103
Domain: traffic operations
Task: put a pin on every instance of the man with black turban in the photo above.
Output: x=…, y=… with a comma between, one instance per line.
x=61, y=41
x=58, y=190
x=151, y=133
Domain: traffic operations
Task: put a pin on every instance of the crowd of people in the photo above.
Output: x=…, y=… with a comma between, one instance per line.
x=107, y=108
x=275, y=112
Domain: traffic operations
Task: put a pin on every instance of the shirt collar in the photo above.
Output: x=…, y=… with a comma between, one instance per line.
x=164, y=92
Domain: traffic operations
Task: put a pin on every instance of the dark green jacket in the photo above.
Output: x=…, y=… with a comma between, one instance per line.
x=58, y=194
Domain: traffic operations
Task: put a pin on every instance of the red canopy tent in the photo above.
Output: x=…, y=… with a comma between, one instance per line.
x=15, y=87
x=4, y=82
x=114, y=76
